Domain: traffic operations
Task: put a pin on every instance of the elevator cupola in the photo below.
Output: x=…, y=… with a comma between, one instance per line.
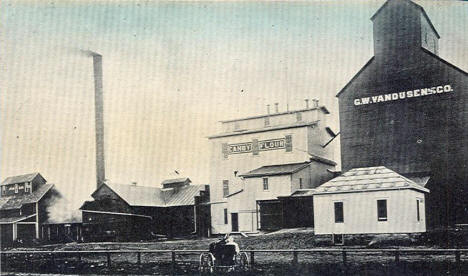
x=402, y=27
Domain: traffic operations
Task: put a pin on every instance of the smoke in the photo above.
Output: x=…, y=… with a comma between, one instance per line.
x=60, y=210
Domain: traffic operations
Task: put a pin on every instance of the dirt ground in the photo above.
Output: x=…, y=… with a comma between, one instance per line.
x=268, y=263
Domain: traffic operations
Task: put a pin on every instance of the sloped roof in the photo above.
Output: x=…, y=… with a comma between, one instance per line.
x=15, y=202
x=323, y=108
x=301, y=193
x=9, y=220
x=156, y=197
x=414, y=5
x=20, y=178
x=176, y=180
x=368, y=179
x=184, y=196
x=137, y=195
x=276, y=170
x=263, y=129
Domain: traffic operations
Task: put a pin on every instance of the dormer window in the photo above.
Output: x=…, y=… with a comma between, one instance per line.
x=27, y=187
x=16, y=188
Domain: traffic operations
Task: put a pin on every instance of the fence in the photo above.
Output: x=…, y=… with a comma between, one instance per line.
x=344, y=252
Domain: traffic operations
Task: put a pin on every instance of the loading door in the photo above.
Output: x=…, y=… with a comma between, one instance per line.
x=235, y=222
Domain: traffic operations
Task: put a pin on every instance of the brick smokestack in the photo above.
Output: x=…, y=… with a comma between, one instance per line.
x=99, y=119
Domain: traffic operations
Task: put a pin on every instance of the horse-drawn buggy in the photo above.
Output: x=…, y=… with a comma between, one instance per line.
x=224, y=256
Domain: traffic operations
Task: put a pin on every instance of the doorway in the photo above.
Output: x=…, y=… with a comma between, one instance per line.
x=235, y=222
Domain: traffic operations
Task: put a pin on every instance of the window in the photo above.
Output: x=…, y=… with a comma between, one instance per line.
x=300, y=184
x=3, y=190
x=225, y=216
x=299, y=116
x=16, y=188
x=418, y=214
x=225, y=188
x=339, y=212
x=265, y=184
x=267, y=121
x=27, y=187
x=382, y=210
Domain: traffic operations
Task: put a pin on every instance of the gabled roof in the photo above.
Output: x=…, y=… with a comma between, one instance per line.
x=15, y=202
x=355, y=76
x=368, y=179
x=184, y=196
x=414, y=5
x=444, y=61
x=155, y=197
x=21, y=178
x=281, y=169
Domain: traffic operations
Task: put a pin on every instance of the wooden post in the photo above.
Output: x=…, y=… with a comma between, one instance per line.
x=295, y=258
x=397, y=256
x=78, y=256
x=109, y=264
x=458, y=260
x=4, y=260
x=139, y=258
x=252, y=260
x=344, y=257
x=173, y=262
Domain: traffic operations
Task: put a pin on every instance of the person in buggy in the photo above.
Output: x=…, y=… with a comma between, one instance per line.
x=224, y=256
x=225, y=250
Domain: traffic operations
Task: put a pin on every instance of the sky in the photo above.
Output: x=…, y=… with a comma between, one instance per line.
x=172, y=70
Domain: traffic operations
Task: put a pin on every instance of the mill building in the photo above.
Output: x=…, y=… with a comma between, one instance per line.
x=260, y=163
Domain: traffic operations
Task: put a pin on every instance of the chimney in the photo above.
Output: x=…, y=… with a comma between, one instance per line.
x=268, y=109
x=99, y=119
x=276, y=108
x=307, y=103
x=316, y=102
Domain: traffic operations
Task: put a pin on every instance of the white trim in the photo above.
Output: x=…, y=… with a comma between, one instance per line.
x=37, y=219
x=114, y=213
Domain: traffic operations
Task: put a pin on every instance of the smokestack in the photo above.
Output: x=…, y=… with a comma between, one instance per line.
x=307, y=103
x=99, y=119
x=276, y=108
x=268, y=109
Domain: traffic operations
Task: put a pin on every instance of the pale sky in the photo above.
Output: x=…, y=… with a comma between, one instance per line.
x=172, y=70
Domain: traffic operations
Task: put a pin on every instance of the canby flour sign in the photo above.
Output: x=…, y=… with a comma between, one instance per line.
x=405, y=94
x=256, y=146
x=272, y=144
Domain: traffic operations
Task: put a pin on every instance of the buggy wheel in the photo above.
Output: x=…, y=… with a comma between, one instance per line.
x=242, y=261
x=206, y=263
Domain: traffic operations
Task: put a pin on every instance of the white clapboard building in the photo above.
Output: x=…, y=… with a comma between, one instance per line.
x=369, y=201
x=258, y=158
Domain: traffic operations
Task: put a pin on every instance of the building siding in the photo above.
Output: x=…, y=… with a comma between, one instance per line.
x=360, y=213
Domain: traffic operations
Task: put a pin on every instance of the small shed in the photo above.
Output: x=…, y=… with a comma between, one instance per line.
x=369, y=201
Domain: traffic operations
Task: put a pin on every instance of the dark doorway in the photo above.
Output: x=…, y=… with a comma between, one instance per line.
x=235, y=222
